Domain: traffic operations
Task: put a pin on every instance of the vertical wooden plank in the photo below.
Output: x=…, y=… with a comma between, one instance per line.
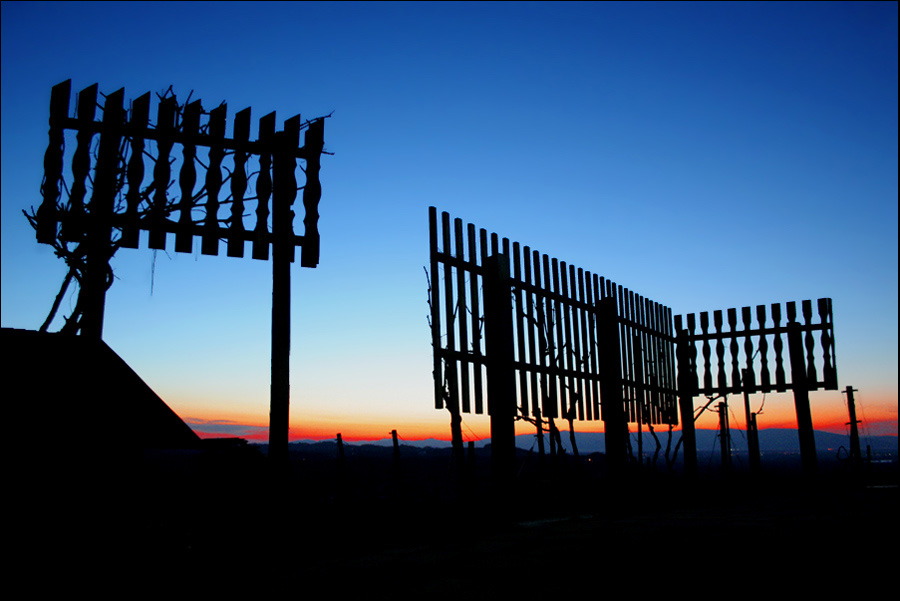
x=285, y=183
x=210, y=242
x=74, y=224
x=735, y=349
x=671, y=354
x=559, y=328
x=238, y=184
x=594, y=293
x=314, y=144
x=567, y=358
x=829, y=370
x=519, y=313
x=477, y=334
x=585, y=350
x=749, y=381
x=450, y=316
x=765, y=377
x=707, y=351
x=692, y=354
x=53, y=163
x=437, y=364
x=461, y=313
x=543, y=344
x=140, y=116
x=551, y=327
x=778, y=345
x=809, y=342
x=187, y=177
x=531, y=320
x=264, y=187
x=162, y=172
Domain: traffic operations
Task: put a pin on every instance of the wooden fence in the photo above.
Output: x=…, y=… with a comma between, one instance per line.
x=557, y=350
x=129, y=197
x=725, y=348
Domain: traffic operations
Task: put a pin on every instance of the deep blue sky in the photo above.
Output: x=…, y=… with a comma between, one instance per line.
x=706, y=155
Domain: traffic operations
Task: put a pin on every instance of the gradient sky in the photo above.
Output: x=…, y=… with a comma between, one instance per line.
x=705, y=155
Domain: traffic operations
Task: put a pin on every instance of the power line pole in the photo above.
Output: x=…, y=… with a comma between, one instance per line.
x=855, y=452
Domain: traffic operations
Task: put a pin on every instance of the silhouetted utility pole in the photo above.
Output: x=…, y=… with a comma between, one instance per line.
x=752, y=433
x=855, y=451
x=801, y=400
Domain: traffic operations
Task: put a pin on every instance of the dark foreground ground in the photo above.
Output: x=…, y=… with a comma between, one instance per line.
x=382, y=528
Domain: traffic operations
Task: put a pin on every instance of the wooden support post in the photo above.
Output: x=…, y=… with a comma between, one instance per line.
x=611, y=399
x=752, y=434
x=285, y=191
x=639, y=393
x=501, y=383
x=686, y=404
x=801, y=399
x=98, y=274
x=724, y=437
x=539, y=426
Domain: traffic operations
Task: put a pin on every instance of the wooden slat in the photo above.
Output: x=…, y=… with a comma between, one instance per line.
x=140, y=117
x=476, y=321
x=264, y=188
x=449, y=311
x=239, y=184
x=435, y=283
x=210, y=243
x=461, y=312
x=47, y=213
x=187, y=177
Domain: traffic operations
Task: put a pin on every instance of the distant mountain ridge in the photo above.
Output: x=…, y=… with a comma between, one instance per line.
x=770, y=440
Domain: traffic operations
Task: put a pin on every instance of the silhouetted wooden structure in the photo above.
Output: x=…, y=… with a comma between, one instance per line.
x=127, y=197
x=745, y=355
x=542, y=339
x=537, y=338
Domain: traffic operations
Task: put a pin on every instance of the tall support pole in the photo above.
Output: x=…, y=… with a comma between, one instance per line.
x=752, y=433
x=98, y=273
x=285, y=191
x=725, y=436
x=640, y=394
x=613, y=404
x=686, y=404
x=501, y=382
x=855, y=451
x=801, y=400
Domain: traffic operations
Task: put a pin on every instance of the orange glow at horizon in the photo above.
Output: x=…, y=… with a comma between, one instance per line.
x=877, y=414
